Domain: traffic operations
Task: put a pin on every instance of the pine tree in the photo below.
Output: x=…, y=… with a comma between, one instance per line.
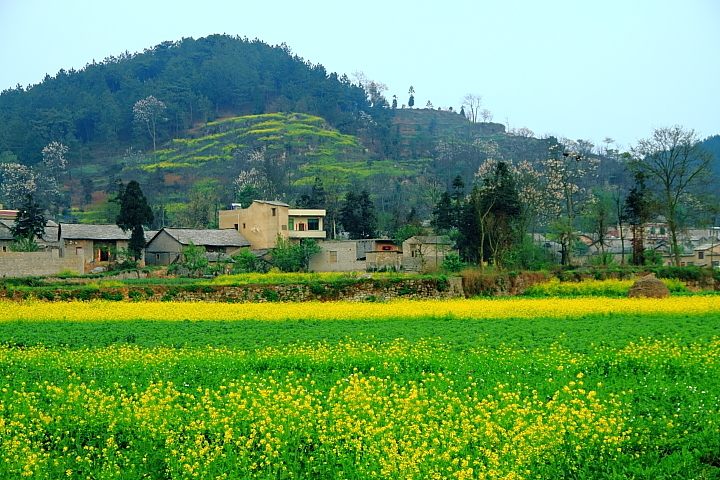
x=358, y=216
x=444, y=218
x=29, y=221
x=638, y=212
x=134, y=213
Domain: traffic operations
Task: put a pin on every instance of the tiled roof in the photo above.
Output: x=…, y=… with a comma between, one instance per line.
x=80, y=231
x=226, y=237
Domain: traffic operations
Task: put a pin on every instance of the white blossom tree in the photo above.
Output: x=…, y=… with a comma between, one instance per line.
x=566, y=171
x=17, y=182
x=54, y=156
x=149, y=111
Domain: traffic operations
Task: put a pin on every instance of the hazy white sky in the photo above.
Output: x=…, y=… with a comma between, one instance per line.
x=579, y=69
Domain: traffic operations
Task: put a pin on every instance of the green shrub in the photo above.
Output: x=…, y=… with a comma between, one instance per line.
x=317, y=289
x=112, y=296
x=270, y=295
x=452, y=263
x=136, y=295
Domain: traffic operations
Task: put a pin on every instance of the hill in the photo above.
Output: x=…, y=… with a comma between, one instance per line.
x=234, y=118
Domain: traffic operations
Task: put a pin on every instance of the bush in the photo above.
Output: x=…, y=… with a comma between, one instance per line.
x=112, y=296
x=452, y=263
x=67, y=273
x=317, y=289
x=270, y=295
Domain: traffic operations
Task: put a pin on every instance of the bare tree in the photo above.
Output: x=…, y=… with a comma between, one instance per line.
x=676, y=165
x=374, y=90
x=486, y=115
x=472, y=104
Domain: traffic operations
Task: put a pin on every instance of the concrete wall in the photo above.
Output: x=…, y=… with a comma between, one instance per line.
x=337, y=257
x=25, y=264
x=383, y=260
x=257, y=223
x=163, y=250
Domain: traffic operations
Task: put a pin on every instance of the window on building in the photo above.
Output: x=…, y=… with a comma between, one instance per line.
x=283, y=227
x=301, y=227
x=701, y=255
x=313, y=224
x=291, y=224
x=333, y=256
x=243, y=226
x=236, y=226
x=274, y=212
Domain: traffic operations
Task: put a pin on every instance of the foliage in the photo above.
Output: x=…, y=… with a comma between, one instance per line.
x=677, y=167
x=607, y=288
x=452, y=263
x=134, y=213
x=293, y=257
x=194, y=259
x=405, y=232
x=29, y=221
x=247, y=262
x=358, y=216
x=24, y=244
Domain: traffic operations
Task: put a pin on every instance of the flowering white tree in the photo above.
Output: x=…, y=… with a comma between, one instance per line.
x=149, y=111
x=566, y=170
x=17, y=182
x=54, y=156
x=133, y=157
x=249, y=178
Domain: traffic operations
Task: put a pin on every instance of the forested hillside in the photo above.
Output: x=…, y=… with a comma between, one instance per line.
x=144, y=116
x=203, y=123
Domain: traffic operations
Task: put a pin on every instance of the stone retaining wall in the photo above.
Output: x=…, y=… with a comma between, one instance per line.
x=350, y=290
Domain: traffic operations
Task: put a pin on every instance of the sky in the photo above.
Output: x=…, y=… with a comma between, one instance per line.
x=583, y=69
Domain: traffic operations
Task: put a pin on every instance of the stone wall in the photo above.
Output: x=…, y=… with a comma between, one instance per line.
x=366, y=289
x=37, y=264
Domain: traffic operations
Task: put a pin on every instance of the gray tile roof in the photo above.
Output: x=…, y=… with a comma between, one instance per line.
x=226, y=237
x=431, y=239
x=81, y=231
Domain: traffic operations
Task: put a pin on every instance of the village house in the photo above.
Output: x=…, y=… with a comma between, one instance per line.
x=165, y=247
x=707, y=255
x=262, y=222
x=421, y=252
x=98, y=243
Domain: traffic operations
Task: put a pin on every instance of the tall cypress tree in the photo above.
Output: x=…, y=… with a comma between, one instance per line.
x=358, y=216
x=29, y=221
x=134, y=213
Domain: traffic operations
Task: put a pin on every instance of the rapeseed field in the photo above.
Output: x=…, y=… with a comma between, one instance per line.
x=444, y=404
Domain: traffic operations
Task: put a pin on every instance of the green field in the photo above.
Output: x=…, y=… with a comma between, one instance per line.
x=589, y=396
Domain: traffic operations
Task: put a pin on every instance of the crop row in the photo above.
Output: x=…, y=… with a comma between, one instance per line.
x=361, y=410
x=454, y=308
